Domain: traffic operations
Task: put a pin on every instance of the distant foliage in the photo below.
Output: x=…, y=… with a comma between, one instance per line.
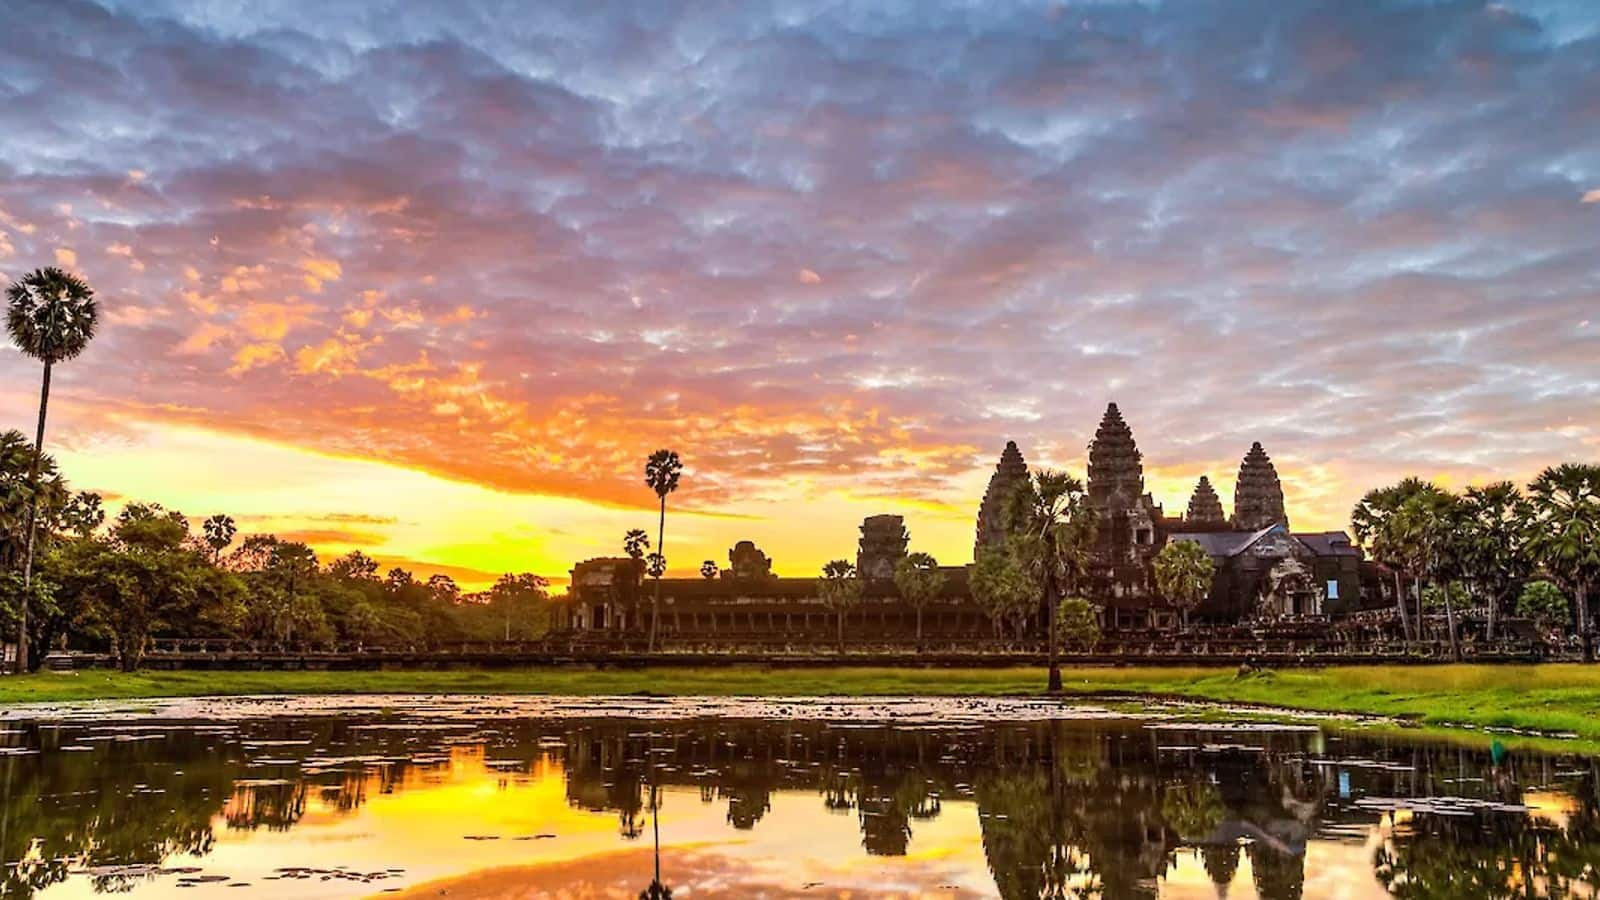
x=1543, y=602
x=1078, y=623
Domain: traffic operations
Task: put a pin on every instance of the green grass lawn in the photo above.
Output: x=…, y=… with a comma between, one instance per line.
x=1548, y=698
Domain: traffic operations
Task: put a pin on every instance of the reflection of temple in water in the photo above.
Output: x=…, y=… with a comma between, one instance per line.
x=1104, y=809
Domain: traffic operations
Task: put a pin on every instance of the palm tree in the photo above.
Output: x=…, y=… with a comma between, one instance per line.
x=1054, y=528
x=1428, y=528
x=839, y=589
x=919, y=581
x=1183, y=575
x=1564, y=535
x=1494, y=543
x=219, y=531
x=635, y=543
x=51, y=317
x=709, y=570
x=661, y=473
x=18, y=491
x=1375, y=523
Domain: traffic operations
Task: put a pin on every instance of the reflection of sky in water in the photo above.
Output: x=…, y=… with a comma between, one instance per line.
x=494, y=809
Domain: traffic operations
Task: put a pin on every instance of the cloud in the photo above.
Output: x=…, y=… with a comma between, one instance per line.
x=524, y=249
x=1592, y=197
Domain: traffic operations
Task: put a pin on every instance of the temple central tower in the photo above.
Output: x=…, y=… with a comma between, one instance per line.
x=1258, y=495
x=1116, y=473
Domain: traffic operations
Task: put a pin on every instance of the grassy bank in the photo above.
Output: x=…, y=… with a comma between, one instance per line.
x=1549, y=698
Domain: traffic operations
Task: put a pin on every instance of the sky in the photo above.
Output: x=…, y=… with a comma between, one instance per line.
x=431, y=281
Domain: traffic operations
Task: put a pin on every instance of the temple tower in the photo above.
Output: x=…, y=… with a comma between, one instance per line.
x=1258, y=496
x=1116, y=476
x=1127, y=515
x=1011, y=471
x=883, y=545
x=1205, y=507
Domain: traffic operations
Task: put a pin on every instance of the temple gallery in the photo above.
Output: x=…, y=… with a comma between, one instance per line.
x=1263, y=568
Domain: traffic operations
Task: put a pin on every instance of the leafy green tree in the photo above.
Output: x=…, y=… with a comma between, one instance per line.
x=919, y=581
x=51, y=317
x=83, y=514
x=143, y=578
x=283, y=602
x=1183, y=572
x=1078, y=623
x=1544, y=603
x=661, y=473
x=522, y=603
x=840, y=590
x=1053, y=533
x=444, y=589
x=999, y=585
x=1564, y=535
x=354, y=566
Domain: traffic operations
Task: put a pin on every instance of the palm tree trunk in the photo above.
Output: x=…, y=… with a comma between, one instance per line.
x=919, y=625
x=1054, y=685
x=33, y=516
x=1585, y=638
x=661, y=550
x=1450, y=622
x=1494, y=610
x=1400, y=603
x=841, y=629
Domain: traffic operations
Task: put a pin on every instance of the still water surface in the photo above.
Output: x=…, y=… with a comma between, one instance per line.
x=522, y=798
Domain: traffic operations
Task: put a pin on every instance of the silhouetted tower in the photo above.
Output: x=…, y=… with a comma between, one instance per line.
x=1116, y=475
x=1258, y=496
x=1011, y=471
x=1205, y=507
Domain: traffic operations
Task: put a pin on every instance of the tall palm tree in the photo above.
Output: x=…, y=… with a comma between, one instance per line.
x=1428, y=529
x=661, y=473
x=1376, y=524
x=1494, y=543
x=219, y=531
x=1183, y=572
x=51, y=316
x=1564, y=535
x=1054, y=528
x=839, y=589
x=919, y=581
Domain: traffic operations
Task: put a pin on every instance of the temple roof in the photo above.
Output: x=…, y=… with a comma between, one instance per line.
x=1223, y=544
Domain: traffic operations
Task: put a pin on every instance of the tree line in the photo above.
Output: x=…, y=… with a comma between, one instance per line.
x=149, y=572
x=1534, y=553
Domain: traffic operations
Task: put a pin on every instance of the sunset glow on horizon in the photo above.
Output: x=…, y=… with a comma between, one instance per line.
x=431, y=284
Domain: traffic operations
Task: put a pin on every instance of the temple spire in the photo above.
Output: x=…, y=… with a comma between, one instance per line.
x=1008, y=473
x=1205, y=507
x=1258, y=496
x=1116, y=476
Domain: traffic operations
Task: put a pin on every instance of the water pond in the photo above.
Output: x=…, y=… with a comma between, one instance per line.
x=501, y=797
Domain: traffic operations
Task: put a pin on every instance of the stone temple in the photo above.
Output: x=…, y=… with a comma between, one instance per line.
x=1264, y=571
